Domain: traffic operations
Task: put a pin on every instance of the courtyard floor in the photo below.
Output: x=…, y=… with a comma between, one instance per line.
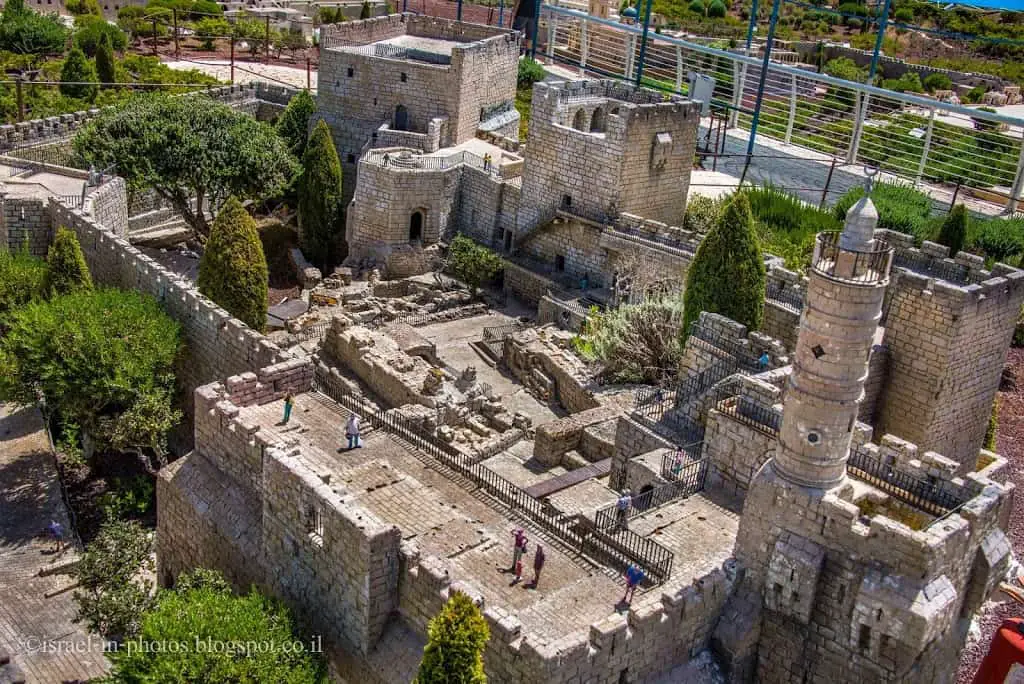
x=37, y=610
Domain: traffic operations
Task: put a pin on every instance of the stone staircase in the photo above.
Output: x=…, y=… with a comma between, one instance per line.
x=161, y=227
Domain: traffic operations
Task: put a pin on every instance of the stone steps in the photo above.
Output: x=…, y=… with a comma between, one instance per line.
x=148, y=219
x=167, y=234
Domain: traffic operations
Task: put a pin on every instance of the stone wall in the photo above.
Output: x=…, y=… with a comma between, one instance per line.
x=947, y=346
x=634, y=157
x=576, y=241
x=218, y=345
x=108, y=206
x=782, y=317
x=631, y=439
x=555, y=438
x=28, y=223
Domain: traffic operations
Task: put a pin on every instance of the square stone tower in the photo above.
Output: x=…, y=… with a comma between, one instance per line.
x=600, y=148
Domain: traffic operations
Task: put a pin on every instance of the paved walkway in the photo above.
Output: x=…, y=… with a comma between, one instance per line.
x=245, y=72
x=36, y=612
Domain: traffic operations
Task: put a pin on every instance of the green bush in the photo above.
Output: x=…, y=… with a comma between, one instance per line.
x=998, y=239
x=975, y=94
x=900, y=207
x=727, y=275
x=202, y=609
x=77, y=76
x=529, y=73
x=111, y=599
x=25, y=32
x=456, y=638
x=233, y=268
x=904, y=15
x=208, y=29
x=787, y=226
x=66, y=268
x=22, y=280
x=293, y=124
x=635, y=342
x=90, y=30
x=471, y=263
x=716, y=9
x=697, y=6
x=953, y=233
x=937, y=81
x=365, y=12
x=106, y=70
x=701, y=213
x=320, y=208
x=909, y=82
x=130, y=498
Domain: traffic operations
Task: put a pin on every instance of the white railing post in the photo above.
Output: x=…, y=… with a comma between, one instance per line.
x=679, y=68
x=792, y=109
x=739, y=77
x=927, y=148
x=1018, y=183
x=630, y=47
x=552, y=27
x=860, y=107
x=584, y=46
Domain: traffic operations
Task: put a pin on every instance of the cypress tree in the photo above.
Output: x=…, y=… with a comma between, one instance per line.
x=233, y=270
x=365, y=12
x=727, y=275
x=77, y=77
x=293, y=124
x=66, y=271
x=105, y=61
x=456, y=638
x=320, y=197
x=954, y=230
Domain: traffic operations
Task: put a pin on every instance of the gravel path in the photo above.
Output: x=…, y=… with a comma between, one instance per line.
x=1010, y=443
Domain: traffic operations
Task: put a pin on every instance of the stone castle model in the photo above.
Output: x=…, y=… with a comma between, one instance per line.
x=811, y=502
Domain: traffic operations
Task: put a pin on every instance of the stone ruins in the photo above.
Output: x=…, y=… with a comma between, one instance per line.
x=810, y=501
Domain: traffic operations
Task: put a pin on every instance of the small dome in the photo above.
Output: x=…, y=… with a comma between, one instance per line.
x=630, y=13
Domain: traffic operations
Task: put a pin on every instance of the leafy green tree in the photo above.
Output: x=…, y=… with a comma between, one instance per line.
x=716, y=9
x=131, y=20
x=202, y=608
x=82, y=7
x=293, y=124
x=102, y=361
x=188, y=148
x=90, y=31
x=365, y=12
x=22, y=280
x=937, y=81
x=233, y=270
x=727, y=275
x=456, y=638
x=27, y=33
x=697, y=7
x=111, y=599
x=529, y=73
x=209, y=29
x=77, y=76
x=202, y=8
x=320, y=209
x=953, y=233
x=106, y=72
x=471, y=263
x=67, y=271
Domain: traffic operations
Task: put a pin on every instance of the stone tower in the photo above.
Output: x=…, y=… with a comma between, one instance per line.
x=844, y=304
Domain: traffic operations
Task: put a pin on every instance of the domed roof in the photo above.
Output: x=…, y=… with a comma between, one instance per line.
x=630, y=12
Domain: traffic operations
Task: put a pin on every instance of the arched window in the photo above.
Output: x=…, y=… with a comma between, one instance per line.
x=579, y=121
x=597, y=121
x=401, y=118
x=416, y=226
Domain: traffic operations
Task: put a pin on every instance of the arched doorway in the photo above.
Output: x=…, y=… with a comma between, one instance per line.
x=401, y=118
x=579, y=121
x=597, y=121
x=416, y=226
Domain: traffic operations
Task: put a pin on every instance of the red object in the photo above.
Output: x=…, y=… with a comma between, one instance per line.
x=1007, y=648
x=519, y=568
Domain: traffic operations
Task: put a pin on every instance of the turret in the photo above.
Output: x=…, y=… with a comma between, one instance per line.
x=847, y=281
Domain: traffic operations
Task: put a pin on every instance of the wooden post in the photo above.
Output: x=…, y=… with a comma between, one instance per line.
x=18, y=85
x=266, y=43
x=177, y=48
x=154, y=38
x=232, y=59
x=308, y=87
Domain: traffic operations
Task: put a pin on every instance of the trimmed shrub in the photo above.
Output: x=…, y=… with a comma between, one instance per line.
x=787, y=226
x=365, y=12
x=701, y=213
x=105, y=70
x=293, y=124
x=233, y=270
x=67, y=271
x=999, y=239
x=716, y=9
x=727, y=275
x=697, y=6
x=77, y=77
x=953, y=233
x=90, y=31
x=937, y=81
x=529, y=73
x=320, y=209
x=22, y=280
x=456, y=638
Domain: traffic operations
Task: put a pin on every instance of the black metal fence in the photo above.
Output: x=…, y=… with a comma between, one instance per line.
x=688, y=481
x=674, y=461
x=786, y=296
x=317, y=331
x=949, y=271
x=58, y=154
x=745, y=359
x=856, y=266
x=494, y=337
x=618, y=550
x=933, y=496
x=751, y=413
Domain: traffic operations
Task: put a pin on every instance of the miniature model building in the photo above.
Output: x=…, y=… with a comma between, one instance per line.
x=809, y=502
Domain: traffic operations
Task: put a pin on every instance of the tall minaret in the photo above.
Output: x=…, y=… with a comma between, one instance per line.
x=848, y=277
